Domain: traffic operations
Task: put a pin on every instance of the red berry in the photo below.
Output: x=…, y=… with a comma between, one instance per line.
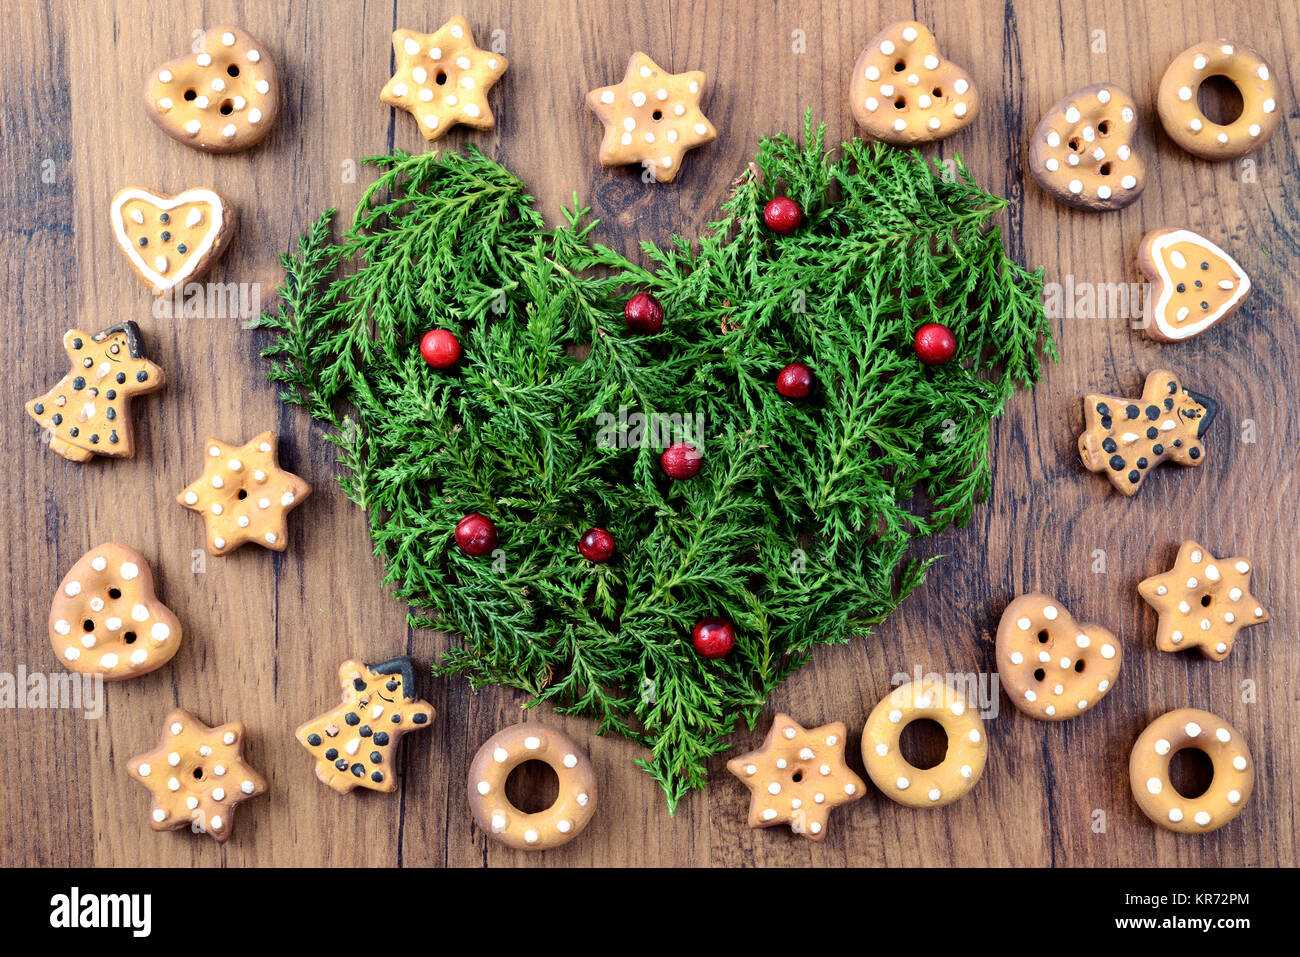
x=713, y=637
x=476, y=535
x=596, y=545
x=782, y=215
x=440, y=348
x=934, y=344
x=681, y=460
x=644, y=314
x=794, y=381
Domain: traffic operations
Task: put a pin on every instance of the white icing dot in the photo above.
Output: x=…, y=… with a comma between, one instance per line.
x=72, y=589
x=1072, y=115
x=961, y=86
x=1017, y=657
x=1200, y=62
x=72, y=653
x=1053, y=139
x=160, y=631
x=1234, y=797
x=872, y=73
x=886, y=47
x=62, y=627
x=882, y=749
x=1269, y=106
x=1076, y=186
x=484, y=787
x=1192, y=728
x=934, y=794
x=931, y=62
x=1184, y=93
x=903, y=784
x=532, y=743
x=1175, y=814
x=1103, y=96
x=1202, y=818
x=159, y=815
x=1154, y=785
x=1128, y=182
x=1162, y=747
x=607, y=96
x=1239, y=762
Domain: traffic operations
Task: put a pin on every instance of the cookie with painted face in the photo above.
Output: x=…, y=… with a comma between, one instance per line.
x=89, y=412
x=222, y=99
x=107, y=620
x=1125, y=439
x=355, y=743
x=1194, y=284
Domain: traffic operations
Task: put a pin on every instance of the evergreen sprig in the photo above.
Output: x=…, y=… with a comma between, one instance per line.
x=798, y=526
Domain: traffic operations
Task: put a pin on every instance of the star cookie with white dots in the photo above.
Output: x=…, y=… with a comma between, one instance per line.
x=244, y=495
x=1202, y=602
x=797, y=776
x=443, y=78
x=197, y=775
x=651, y=118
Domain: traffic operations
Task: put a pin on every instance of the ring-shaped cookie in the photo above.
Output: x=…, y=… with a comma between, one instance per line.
x=947, y=781
x=1229, y=790
x=1181, y=115
x=500, y=819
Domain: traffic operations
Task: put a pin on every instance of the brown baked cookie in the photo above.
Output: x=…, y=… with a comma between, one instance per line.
x=170, y=240
x=904, y=92
x=1180, y=110
x=1127, y=438
x=1051, y=666
x=1194, y=283
x=443, y=78
x=223, y=99
x=1230, y=787
x=1082, y=151
x=89, y=412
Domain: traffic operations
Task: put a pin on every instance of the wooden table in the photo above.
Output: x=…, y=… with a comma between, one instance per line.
x=266, y=631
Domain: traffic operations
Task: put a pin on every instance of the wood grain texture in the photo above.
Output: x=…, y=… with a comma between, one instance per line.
x=265, y=632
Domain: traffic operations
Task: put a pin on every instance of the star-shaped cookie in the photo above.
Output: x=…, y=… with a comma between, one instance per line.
x=355, y=743
x=197, y=775
x=443, y=78
x=244, y=495
x=797, y=776
x=652, y=117
x=1202, y=602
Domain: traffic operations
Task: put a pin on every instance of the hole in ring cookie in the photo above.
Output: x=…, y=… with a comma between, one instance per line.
x=1220, y=100
x=1191, y=772
x=1039, y=674
x=1079, y=666
x=1042, y=637
x=923, y=743
x=533, y=787
x=900, y=103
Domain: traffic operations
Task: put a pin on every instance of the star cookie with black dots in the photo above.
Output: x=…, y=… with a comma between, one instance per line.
x=1127, y=438
x=355, y=743
x=197, y=776
x=88, y=412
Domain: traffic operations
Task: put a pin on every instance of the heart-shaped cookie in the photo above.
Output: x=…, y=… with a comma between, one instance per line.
x=904, y=92
x=1082, y=150
x=1194, y=283
x=223, y=99
x=171, y=239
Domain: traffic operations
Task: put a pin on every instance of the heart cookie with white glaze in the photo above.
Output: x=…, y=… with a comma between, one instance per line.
x=1194, y=283
x=1082, y=151
x=171, y=239
x=222, y=99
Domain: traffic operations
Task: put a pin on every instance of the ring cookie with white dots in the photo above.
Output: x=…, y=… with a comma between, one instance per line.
x=963, y=761
x=652, y=117
x=222, y=99
x=107, y=620
x=89, y=412
x=244, y=495
x=1082, y=150
x=797, y=777
x=498, y=817
x=170, y=240
x=197, y=776
x=1229, y=790
x=1051, y=666
x=1202, y=602
x=443, y=78
x=904, y=92
x=1127, y=438
x=1194, y=284
x=1180, y=111
x=355, y=743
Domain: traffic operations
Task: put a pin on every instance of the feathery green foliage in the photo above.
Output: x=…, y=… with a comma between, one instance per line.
x=797, y=527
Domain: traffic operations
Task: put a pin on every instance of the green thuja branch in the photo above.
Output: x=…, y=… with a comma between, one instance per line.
x=798, y=527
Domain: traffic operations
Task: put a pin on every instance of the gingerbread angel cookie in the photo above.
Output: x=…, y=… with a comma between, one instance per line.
x=89, y=412
x=244, y=495
x=355, y=743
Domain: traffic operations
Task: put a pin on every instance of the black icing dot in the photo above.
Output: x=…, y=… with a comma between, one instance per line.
x=1153, y=412
x=332, y=754
x=1105, y=422
x=1141, y=463
x=38, y=409
x=110, y=414
x=391, y=685
x=1181, y=287
x=166, y=236
x=58, y=419
x=1178, y=443
x=141, y=376
x=1199, y=284
x=112, y=437
x=419, y=718
x=341, y=764
x=1169, y=404
x=92, y=391
x=1172, y=387
x=1117, y=462
x=111, y=394
x=1204, y=304
x=121, y=377
x=74, y=431
x=364, y=731
x=397, y=719
x=313, y=740
x=180, y=248
x=376, y=757
x=381, y=738
x=358, y=770
x=1131, y=411
x=87, y=362
x=1194, y=452
x=377, y=777
x=1103, y=408
x=94, y=440
x=78, y=383
x=164, y=218
x=1153, y=433
x=1157, y=450
x=1108, y=445
x=144, y=240
x=358, y=684
x=76, y=343
x=1134, y=476
x=1205, y=265
x=352, y=719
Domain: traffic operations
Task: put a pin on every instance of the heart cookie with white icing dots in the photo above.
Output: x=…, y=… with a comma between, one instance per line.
x=222, y=99
x=1194, y=283
x=904, y=92
x=171, y=239
x=1082, y=150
